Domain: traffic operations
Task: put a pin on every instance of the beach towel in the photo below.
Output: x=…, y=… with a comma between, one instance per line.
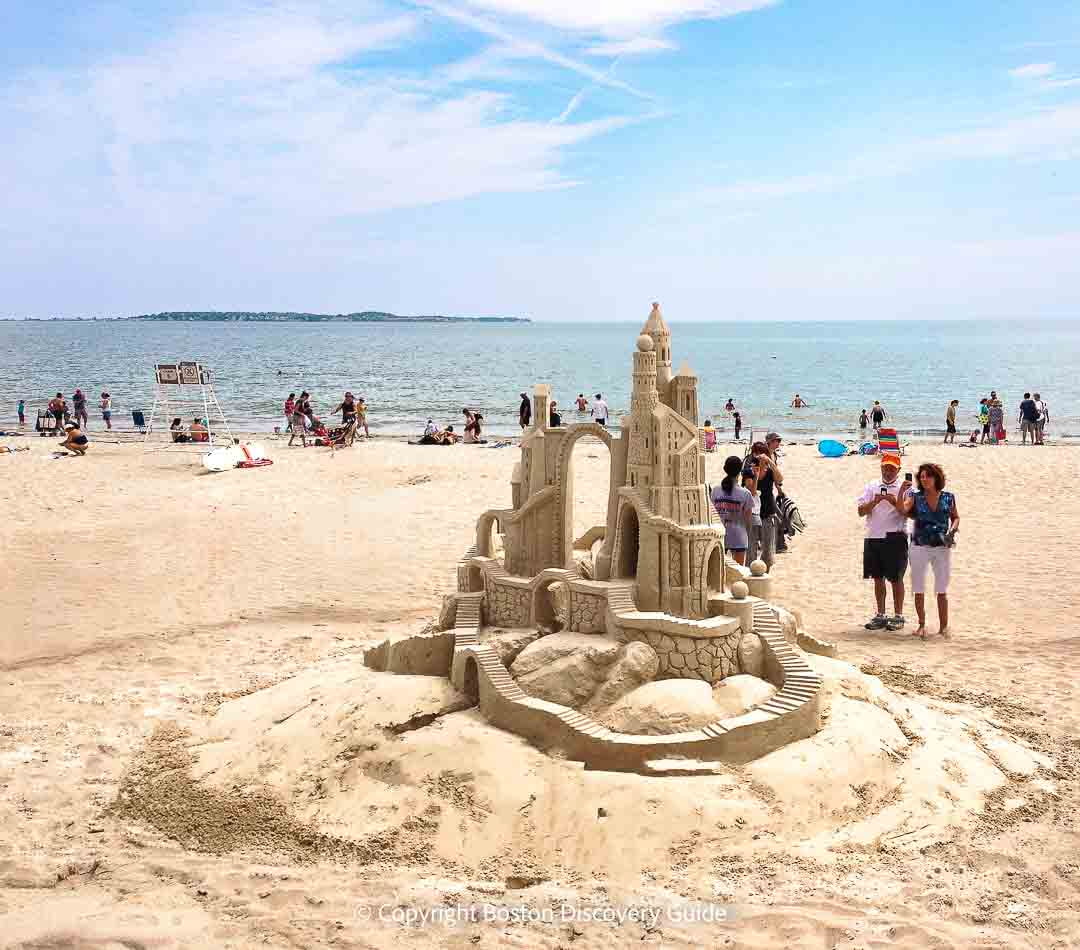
x=889, y=441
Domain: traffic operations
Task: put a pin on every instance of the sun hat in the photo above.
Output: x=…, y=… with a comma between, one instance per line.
x=890, y=458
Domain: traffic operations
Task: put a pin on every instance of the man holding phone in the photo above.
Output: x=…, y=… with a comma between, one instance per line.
x=885, y=547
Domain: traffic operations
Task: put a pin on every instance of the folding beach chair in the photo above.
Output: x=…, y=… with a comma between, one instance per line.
x=889, y=441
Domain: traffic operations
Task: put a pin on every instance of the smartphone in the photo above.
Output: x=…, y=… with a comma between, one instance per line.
x=884, y=489
x=908, y=478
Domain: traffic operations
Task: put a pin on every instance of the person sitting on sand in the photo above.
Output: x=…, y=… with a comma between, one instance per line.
x=937, y=522
x=176, y=430
x=76, y=442
x=445, y=436
x=430, y=429
x=199, y=431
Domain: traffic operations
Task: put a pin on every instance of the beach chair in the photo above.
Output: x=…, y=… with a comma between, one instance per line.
x=889, y=441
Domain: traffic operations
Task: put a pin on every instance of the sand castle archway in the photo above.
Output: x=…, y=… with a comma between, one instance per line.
x=471, y=683
x=565, y=478
x=714, y=571
x=629, y=541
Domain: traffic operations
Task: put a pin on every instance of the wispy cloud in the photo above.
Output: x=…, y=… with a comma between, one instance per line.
x=635, y=47
x=1048, y=135
x=526, y=46
x=619, y=18
x=244, y=117
x=1045, y=76
x=1033, y=70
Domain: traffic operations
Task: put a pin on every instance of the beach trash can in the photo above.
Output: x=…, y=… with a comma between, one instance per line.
x=139, y=419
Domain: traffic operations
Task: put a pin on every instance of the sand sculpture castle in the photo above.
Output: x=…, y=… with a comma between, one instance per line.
x=649, y=596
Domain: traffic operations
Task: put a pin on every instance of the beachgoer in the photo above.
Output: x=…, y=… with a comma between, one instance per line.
x=878, y=415
x=524, y=412
x=937, y=522
x=729, y=406
x=581, y=402
x=769, y=480
x=885, y=546
x=997, y=421
x=1028, y=418
x=445, y=436
x=176, y=430
x=864, y=421
x=750, y=473
x=1044, y=417
x=76, y=442
x=430, y=429
x=21, y=409
x=474, y=429
x=347, y=408
x=290, y=407
x=710, y=436
x=361, y=416
x=58, y=408
x=106, y=410
x=984, y=419
x=736, y=417
x=79, y=405
x=301, y=411
x=554, y=416
x=199, y=431
x=950, y=421
x=599, y=410
x=735, y=506
x=798, y=402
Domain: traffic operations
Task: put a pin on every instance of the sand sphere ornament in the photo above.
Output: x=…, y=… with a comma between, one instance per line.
x=759, y=568
x=645, y=343
x=739, y=590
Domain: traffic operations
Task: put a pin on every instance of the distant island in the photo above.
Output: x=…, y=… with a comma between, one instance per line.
x=367, y=316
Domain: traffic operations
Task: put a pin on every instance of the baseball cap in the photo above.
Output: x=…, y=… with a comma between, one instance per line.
x=773, y=435
x=890, y=459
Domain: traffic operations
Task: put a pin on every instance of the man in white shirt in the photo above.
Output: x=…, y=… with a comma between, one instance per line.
x=600, y=410
x=885, y=548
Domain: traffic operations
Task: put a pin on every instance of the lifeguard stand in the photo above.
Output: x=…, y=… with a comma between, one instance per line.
x=183, y=390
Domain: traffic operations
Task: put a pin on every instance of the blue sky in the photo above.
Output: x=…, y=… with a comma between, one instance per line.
x=735, y=159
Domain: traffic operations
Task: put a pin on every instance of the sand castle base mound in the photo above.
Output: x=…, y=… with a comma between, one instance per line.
x=399, y=770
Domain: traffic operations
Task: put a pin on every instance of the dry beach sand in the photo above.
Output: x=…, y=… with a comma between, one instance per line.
x=192, y=753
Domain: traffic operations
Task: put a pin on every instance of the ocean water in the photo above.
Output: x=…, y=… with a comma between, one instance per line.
x=411, y=372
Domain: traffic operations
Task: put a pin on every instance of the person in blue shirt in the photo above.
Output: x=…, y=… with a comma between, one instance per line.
x=22, y=412
x=937, y=522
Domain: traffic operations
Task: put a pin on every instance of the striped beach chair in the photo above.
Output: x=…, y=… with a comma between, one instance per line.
x=889, y=441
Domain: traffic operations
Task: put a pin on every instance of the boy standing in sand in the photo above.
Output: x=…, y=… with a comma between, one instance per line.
x=22, y=412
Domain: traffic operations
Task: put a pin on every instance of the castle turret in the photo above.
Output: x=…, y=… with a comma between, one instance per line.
x=661, y=337
x=643, y=400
